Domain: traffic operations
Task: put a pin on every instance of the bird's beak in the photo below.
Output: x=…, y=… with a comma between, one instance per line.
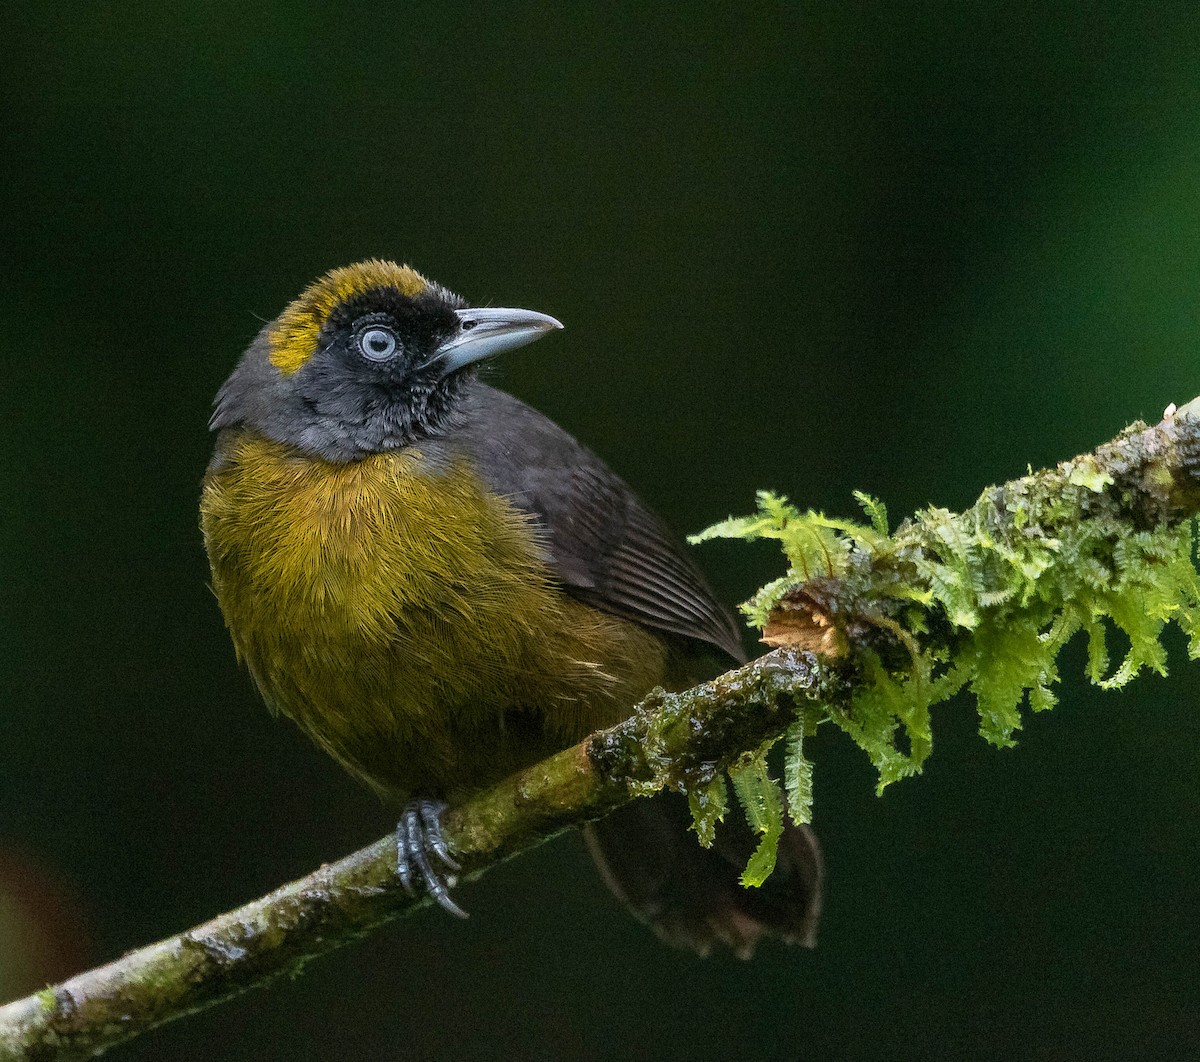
x=485, y=333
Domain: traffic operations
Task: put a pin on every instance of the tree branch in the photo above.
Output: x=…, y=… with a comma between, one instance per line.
x=702, y=730
x=679, y=740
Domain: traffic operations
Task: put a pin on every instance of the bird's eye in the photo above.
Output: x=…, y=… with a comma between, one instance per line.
x=378, y=343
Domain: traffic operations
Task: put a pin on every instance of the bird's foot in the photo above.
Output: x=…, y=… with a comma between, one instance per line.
x=419, y=842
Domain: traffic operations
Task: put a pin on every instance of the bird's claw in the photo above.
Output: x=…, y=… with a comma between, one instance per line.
x=418, y=838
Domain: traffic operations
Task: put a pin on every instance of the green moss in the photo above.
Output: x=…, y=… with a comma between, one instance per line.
x=983, y=600
x=708, y=804
x=762, y=801
x=797, y=773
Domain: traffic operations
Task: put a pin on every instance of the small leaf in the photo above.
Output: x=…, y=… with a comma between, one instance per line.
x=875, y=509
x=708, y=805
x=797, y=775
x=1097, y=650
x=762, y=802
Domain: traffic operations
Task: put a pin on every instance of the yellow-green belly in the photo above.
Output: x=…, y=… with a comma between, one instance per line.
x=406, y=619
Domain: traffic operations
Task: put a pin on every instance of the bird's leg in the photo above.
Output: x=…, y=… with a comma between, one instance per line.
x=419, y=839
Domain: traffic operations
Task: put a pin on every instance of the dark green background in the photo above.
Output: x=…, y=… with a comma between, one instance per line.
x=902, y=248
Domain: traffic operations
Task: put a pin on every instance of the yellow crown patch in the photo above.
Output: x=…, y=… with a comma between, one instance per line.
x=293, y=336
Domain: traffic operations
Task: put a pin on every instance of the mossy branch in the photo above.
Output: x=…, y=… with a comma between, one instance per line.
x=985, y=600
x=874, y=627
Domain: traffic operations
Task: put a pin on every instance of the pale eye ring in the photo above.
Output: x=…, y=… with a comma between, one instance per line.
x=377, y=343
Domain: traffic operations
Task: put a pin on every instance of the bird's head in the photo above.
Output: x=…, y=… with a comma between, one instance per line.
x=370, y=357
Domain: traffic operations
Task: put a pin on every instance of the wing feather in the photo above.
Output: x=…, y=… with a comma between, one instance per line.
x=609, y=550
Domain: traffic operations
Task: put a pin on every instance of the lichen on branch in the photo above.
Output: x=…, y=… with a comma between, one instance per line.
x=983, y=600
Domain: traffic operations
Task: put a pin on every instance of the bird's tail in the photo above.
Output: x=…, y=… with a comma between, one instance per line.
x=690, y=896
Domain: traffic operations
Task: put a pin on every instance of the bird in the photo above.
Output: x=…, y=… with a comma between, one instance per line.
x=439, y=585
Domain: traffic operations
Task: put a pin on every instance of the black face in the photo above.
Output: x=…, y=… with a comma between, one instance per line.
x=384, y=338
x=373, y=382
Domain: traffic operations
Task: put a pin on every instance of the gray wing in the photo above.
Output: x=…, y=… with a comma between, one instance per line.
x=610, y=551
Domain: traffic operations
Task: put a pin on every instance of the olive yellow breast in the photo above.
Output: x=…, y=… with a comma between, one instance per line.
x=407, y=618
